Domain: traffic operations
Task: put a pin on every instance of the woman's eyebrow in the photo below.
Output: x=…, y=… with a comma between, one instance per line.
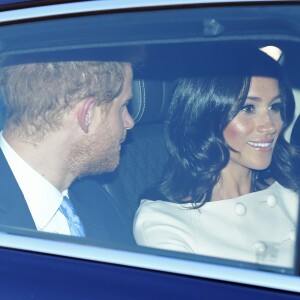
x=254, y=98
x=277, y=97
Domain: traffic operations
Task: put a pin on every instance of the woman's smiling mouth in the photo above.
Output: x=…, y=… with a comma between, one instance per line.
x=261, y=146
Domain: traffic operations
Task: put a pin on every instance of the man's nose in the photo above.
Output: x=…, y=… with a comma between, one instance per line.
x=128, y=120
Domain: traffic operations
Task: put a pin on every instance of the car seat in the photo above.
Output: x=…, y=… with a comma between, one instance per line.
x=144, y=153
x=295, y=136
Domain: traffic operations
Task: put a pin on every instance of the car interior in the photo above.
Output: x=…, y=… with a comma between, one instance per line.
x=144, y=153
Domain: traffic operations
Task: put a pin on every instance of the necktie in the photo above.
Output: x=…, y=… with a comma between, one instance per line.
x=67, y=209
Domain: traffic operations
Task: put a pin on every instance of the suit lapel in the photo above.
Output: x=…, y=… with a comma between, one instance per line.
x=101, y=220
x=13, y=207
x=91, y=225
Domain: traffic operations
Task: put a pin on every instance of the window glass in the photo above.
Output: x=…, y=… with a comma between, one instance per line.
x=210, y=170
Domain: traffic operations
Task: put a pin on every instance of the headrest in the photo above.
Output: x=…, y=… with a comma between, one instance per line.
x=150, y=101
x=149, y=104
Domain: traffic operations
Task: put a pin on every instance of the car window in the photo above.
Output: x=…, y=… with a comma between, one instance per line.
x=188, y=62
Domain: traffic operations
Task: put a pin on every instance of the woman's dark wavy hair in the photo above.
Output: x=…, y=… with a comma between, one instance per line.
x=201, y=109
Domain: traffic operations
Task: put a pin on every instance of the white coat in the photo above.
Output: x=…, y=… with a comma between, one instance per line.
x=259, y=227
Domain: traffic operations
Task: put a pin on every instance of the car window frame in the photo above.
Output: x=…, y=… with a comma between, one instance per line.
x=149, y=261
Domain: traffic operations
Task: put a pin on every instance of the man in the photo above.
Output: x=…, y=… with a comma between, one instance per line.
x=65, y=120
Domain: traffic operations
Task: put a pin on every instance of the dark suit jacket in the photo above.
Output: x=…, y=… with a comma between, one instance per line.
x=102, y=219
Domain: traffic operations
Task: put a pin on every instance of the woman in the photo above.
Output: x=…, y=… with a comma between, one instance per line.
x=231, y=184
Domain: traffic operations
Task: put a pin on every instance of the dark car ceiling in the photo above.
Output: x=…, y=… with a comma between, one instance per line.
x=171, y=35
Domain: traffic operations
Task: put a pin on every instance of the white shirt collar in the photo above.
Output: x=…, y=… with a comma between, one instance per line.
x=42, y=198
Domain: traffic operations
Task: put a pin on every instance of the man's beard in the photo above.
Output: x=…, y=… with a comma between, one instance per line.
x=95, y=154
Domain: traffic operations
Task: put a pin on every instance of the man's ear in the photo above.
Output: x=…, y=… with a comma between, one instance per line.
x=85, y=112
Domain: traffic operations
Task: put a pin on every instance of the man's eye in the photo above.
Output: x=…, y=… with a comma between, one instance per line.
x=276, y=106
x=248, y=108
x=124, y=105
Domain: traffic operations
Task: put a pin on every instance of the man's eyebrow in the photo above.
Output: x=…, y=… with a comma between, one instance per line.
x=254, y=98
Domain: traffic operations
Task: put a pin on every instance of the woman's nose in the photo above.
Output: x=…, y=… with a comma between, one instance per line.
x=267, y=124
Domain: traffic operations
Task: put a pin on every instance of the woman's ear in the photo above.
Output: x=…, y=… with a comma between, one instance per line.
x=85, y=112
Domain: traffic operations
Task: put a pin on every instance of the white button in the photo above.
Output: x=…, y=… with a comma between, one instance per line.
x=292, y=235
x=260, y=246
x=271, y=201
x=240, y=209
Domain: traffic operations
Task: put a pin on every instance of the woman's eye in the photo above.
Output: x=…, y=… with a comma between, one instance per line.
x=276, y=106
x=248, y=108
